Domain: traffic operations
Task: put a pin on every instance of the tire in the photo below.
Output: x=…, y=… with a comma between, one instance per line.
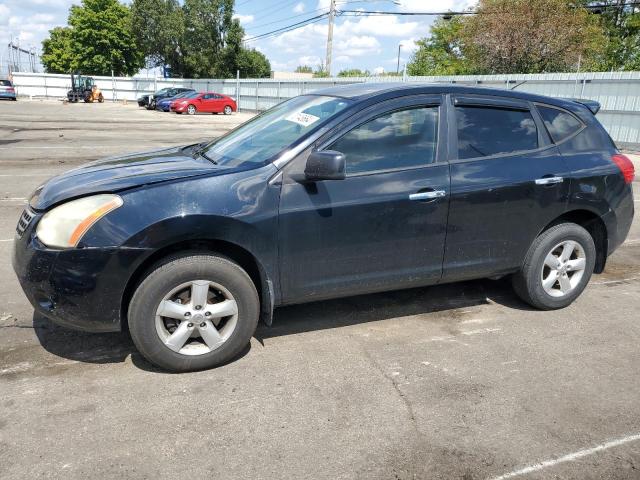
x=191, y=110
x=550, y=277
x=228, y=110
x=151, y=105
x=100, y=98
x=152, y=333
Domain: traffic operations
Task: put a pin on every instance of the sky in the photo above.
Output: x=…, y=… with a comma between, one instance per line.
x=369, y=43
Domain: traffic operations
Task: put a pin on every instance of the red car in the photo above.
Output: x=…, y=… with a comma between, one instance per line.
x=208, y=102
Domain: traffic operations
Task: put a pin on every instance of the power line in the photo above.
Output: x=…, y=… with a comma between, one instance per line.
x=253, y=27
x=293, y=26
x=369, y=13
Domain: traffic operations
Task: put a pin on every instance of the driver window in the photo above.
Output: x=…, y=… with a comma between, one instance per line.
x=404, y=138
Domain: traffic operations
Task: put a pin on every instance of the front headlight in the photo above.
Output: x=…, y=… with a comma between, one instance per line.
x=64, y=226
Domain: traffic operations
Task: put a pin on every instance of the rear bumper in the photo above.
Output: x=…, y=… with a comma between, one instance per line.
x=81, y=289
x=618, y=221
x=10, y=95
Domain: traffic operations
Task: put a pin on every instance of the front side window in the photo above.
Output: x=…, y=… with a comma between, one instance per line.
x=486, y=131
x=560, y=124
x=401, y=139
x=268, y=134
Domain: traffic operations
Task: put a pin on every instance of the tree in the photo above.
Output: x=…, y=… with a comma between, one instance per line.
x=57, y=52
x=99, y=39
x=208, y=22
x=530, y=36
x=354, y=72
x=158, y=27
x=304, y=69
x=621, y=24
x=253, y=64
x=443, y=52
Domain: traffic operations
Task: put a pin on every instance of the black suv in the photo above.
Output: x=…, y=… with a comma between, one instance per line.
x=345, y=191
x=150, y=101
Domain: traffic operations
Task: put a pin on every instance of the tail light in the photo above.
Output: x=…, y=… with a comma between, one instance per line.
x=11, y=89
x=625, y=165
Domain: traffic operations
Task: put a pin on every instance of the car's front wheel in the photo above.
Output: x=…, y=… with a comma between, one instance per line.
x=557, y=267
x=191, y=109
x=193, y=312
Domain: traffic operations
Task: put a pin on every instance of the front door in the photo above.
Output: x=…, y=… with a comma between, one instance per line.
x=508, y=181
x=383, y=226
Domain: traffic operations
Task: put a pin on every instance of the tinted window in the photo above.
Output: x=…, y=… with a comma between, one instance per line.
x=484, y=131
x=560, y=124
x=402, y=139
x=5, y=83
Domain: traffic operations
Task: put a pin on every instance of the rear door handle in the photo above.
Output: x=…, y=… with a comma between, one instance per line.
x=549, y=180
x=427, y=195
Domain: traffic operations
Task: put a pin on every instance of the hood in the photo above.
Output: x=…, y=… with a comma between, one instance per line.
x=118, y=173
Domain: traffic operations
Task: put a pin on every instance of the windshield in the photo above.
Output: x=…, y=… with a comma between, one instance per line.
x=271, y=132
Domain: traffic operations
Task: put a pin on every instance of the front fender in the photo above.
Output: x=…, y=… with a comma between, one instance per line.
x=239, y=208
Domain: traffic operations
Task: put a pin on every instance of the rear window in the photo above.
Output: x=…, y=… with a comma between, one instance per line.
x=486, y=131
x=5, y=83
x=559, y=124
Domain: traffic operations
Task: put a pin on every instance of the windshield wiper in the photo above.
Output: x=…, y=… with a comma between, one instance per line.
x=202, y=153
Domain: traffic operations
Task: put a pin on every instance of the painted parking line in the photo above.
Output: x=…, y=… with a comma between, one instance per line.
x=13, y=199
x=536, y=467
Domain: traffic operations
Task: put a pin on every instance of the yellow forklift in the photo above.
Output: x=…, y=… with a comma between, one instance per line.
x=85, y=89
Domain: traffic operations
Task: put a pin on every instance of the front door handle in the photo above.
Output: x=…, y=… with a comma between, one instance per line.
x=427, y=195
x=549, y=180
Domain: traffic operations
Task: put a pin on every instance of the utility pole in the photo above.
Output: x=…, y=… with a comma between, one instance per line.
x=398, y=67
x=332, y=16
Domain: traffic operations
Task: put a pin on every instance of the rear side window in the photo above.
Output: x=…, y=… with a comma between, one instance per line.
x=485, y=131
x=5, y=83
x=560, y=124
x=401, y=139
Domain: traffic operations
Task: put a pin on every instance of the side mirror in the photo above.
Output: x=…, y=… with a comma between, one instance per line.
x=326, y=165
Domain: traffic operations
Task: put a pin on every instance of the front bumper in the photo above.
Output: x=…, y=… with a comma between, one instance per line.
x=81, y=289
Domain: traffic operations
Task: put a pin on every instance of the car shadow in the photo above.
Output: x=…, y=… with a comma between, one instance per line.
x=395, y=304
x=103, y=348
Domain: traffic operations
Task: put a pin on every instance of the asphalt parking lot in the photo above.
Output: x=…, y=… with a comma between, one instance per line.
x=455, y=381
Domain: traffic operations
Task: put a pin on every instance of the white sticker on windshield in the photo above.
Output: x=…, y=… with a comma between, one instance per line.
x=303, y=119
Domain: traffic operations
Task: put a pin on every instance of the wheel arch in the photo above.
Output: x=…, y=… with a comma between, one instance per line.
x=592, y=223
x=240, y=255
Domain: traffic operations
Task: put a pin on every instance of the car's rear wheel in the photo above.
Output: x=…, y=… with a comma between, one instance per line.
x=191, y=110
x=228, y=110
x=557, y=267
x=193, y=312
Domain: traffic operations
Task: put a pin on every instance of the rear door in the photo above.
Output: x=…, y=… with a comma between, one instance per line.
x=217, y=104
x=208, y=103
x=508, y=181
x=384, y=225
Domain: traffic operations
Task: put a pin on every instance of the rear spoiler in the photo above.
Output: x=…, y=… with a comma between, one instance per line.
x=592, y=105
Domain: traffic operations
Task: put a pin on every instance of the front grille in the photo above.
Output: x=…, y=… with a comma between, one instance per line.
x=25, y=220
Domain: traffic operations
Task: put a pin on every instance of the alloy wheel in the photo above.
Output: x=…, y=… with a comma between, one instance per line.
x=196, y=317
x=191, y=110
x=563, y=268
